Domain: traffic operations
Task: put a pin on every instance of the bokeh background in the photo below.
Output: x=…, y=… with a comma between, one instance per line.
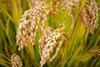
x=81, y=50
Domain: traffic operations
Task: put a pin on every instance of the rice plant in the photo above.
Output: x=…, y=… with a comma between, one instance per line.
x=49, y=33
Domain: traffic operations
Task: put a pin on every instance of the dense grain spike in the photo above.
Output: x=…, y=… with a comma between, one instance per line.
x=89, y=14
x=51, y=43
x=16, y=61
x=29, y=24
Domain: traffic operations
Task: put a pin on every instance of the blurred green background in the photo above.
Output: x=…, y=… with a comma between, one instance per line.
x=81, y=50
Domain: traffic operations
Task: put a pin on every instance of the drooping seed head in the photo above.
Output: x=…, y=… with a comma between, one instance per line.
x=89, y=14
x=29, y=23
x=69, y=5
x=50, y=44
